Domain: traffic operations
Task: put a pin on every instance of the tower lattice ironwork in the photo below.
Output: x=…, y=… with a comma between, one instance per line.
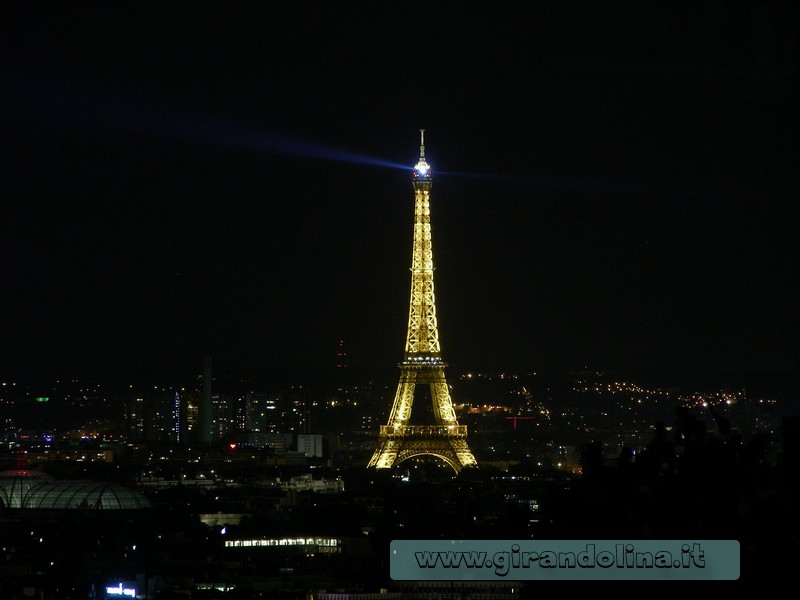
x=399, y=440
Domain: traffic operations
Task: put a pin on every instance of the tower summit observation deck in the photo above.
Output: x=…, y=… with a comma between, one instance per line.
x=399, y=439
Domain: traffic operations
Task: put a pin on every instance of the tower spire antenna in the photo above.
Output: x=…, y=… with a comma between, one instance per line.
x=422, y=170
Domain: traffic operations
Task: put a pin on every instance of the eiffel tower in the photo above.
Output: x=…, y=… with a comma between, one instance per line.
x=422, y=364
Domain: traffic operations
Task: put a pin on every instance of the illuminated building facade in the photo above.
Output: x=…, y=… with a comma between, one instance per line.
x=157, y=416
x=310, y=445
x=262, y=412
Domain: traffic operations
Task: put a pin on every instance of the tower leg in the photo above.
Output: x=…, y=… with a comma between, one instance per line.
x=386, y=454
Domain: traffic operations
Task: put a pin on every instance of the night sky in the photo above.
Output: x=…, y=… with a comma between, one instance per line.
x=615, y=184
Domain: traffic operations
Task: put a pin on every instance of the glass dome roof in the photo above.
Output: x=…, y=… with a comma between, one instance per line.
x=41, y=491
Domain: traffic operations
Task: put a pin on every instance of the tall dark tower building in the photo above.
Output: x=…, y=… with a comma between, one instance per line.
x=206, y=405
x=399, y=440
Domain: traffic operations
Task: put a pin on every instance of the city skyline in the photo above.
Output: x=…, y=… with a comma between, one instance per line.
x=614, y=187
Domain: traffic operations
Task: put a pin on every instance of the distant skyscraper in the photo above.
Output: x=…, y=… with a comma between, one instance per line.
x=157, y=416
x=192, y=417
x=262, y=412
x=239, y=413
x=221, y=417
x=176, y=418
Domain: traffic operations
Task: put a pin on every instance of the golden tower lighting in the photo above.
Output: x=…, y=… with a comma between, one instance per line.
x=399, y=440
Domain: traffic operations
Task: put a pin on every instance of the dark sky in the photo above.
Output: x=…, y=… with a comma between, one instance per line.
x=614, y=183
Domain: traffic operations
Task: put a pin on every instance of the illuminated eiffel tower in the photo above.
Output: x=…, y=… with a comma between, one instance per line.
x=423, y=364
